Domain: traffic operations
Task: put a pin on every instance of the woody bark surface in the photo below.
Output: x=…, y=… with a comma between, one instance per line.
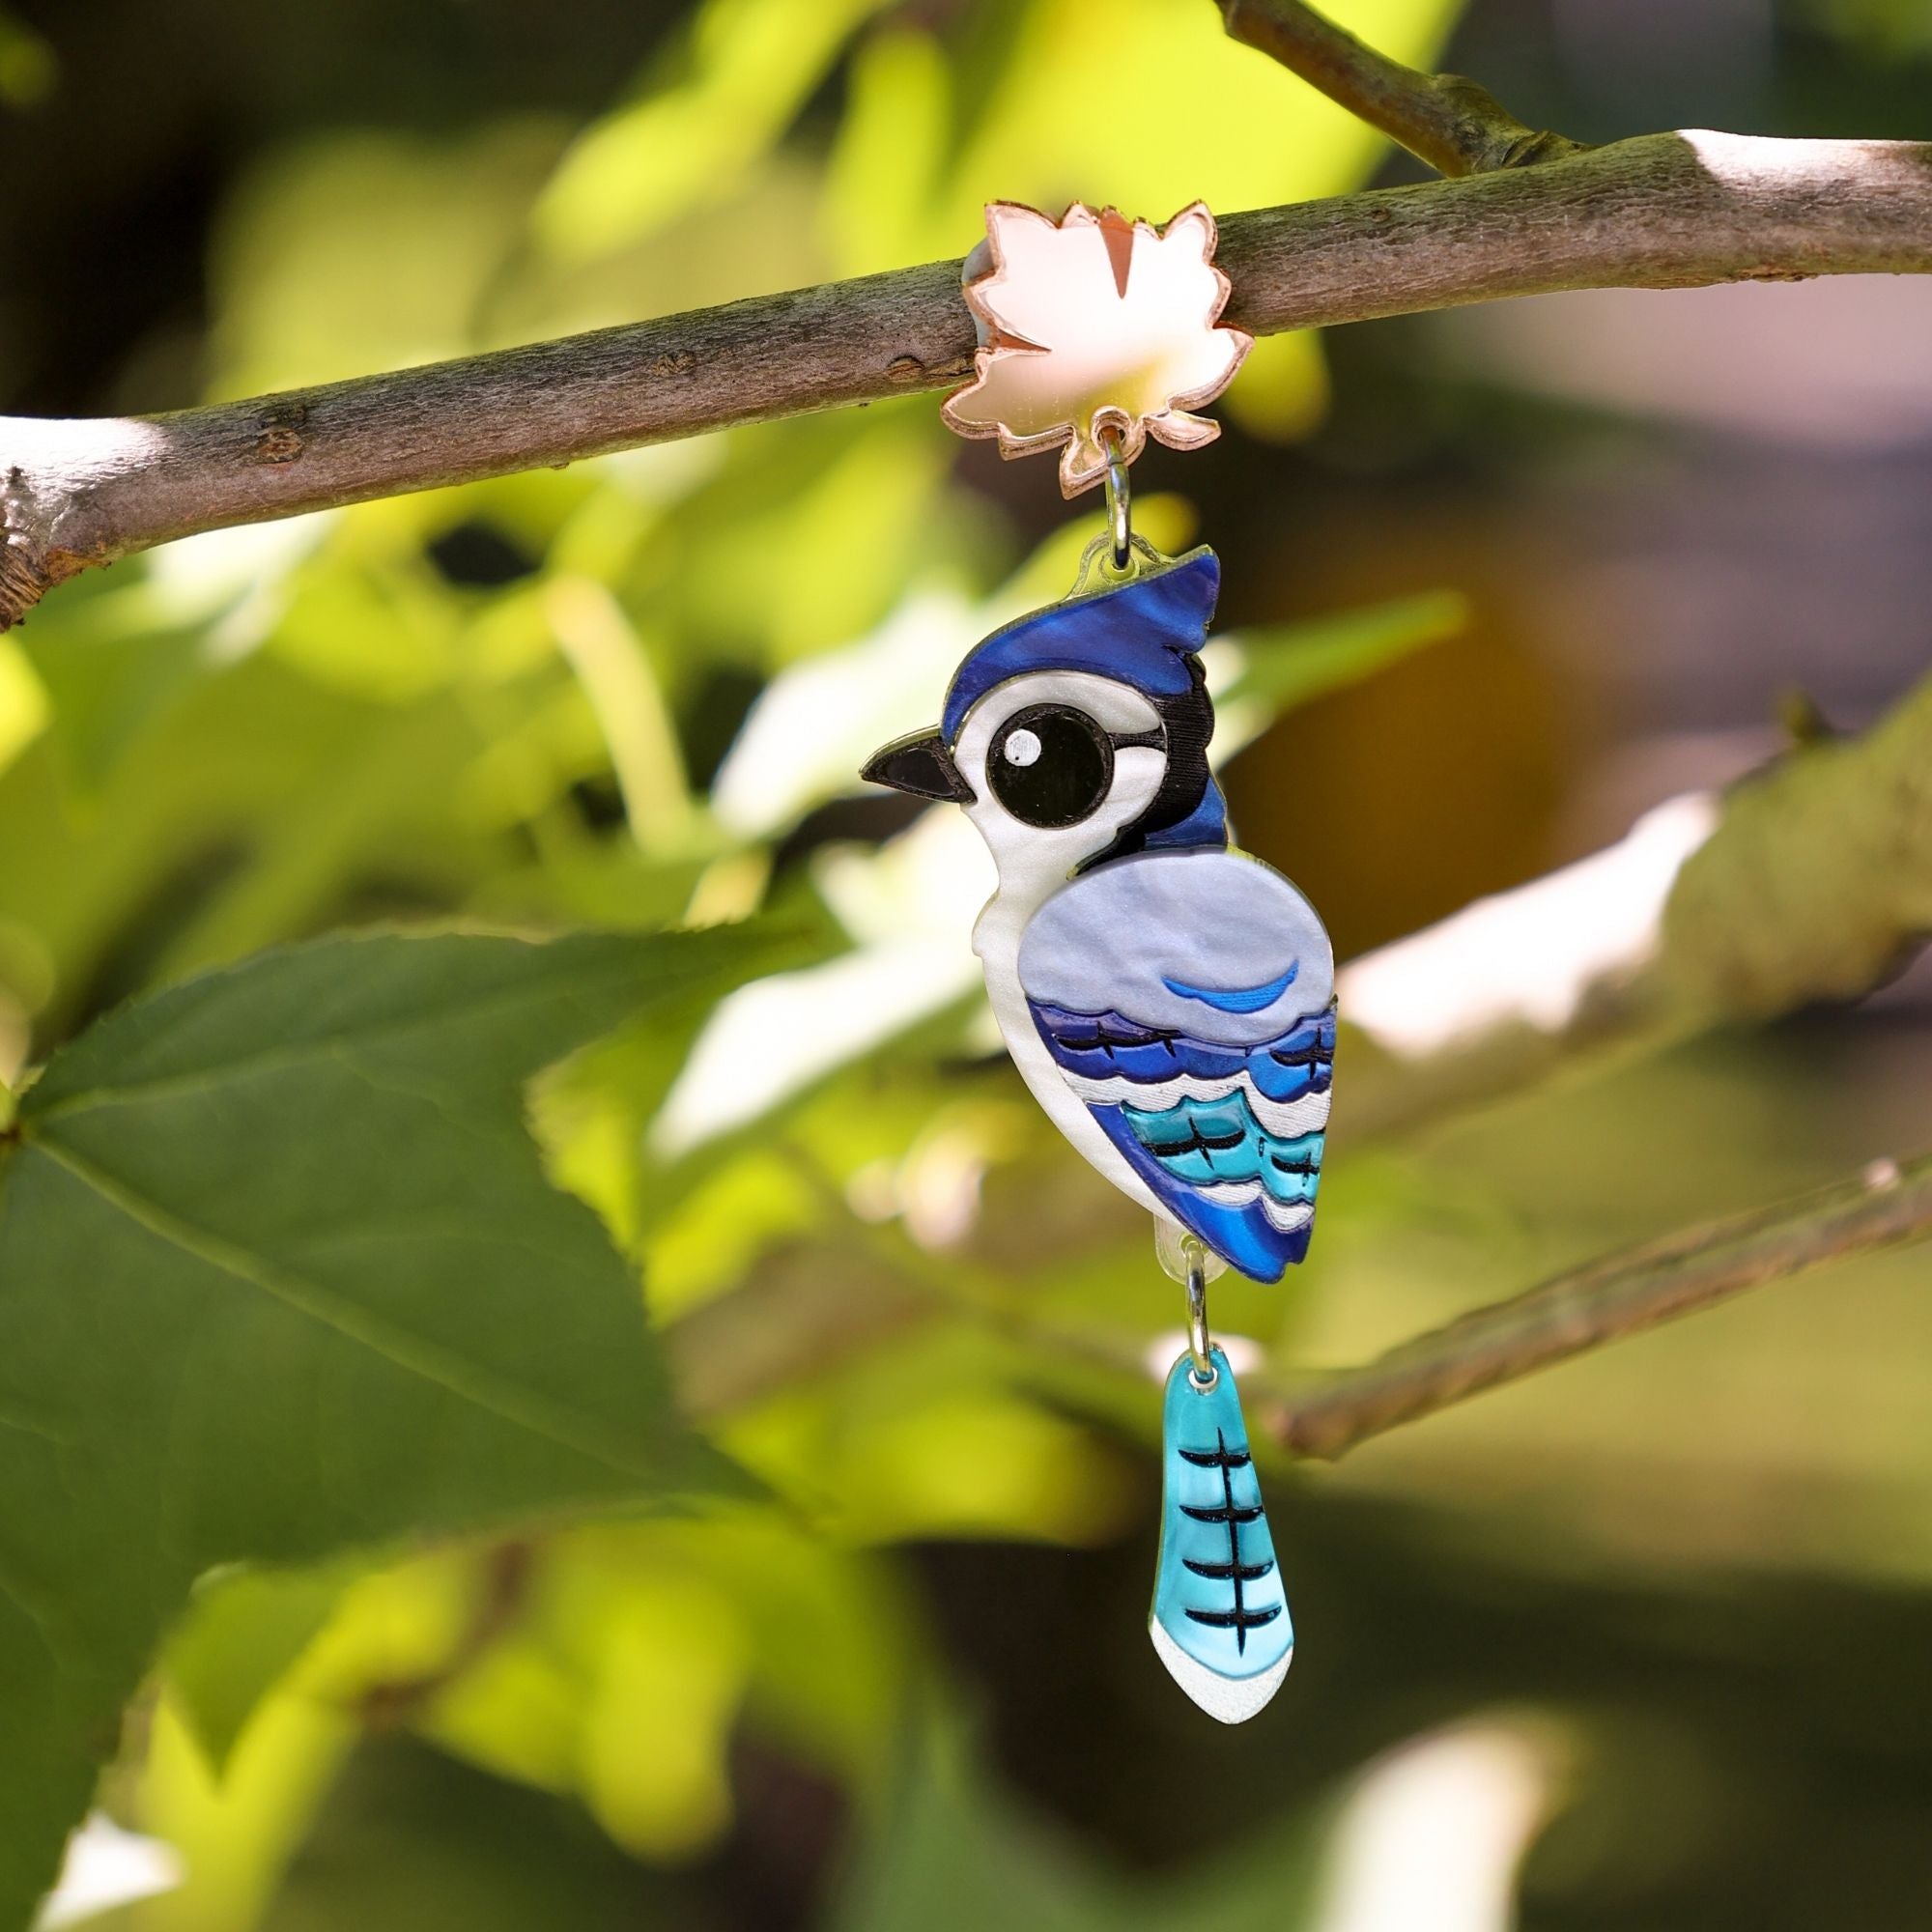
x=1622, y=1295
x=800, y=1319
x=1664, y=210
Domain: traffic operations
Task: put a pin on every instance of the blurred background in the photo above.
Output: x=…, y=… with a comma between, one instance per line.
x=1645, y=1641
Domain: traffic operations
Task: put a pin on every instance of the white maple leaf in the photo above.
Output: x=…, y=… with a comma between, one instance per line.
x=1096, y=328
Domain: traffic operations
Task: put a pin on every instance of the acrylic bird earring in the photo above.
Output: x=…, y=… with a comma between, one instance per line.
x=1169, y=1000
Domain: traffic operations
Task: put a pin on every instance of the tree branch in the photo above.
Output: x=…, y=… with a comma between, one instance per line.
x=808, y=1315
x=1456, y=126
x=1624, y=1294
x=1667, y=211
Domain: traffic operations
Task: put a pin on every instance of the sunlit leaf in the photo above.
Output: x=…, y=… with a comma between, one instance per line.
x=365, y=250
x=23, y=702
x=1818, y=879
x=890, y=146
x=751, y=64
x=814, y=559
x=282, y=1275
x=241, y=1635
x=1053, y=124
x=235, y=1832
x=640, y=1649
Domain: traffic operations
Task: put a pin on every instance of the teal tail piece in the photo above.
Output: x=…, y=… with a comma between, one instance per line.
x=1220, y=1617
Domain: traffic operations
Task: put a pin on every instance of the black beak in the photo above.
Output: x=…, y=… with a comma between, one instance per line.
x=920, y=764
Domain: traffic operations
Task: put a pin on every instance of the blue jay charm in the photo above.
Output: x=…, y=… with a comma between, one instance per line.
x=1169, y=1000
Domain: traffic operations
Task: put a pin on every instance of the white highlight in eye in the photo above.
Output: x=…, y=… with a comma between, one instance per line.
x=1023, y=747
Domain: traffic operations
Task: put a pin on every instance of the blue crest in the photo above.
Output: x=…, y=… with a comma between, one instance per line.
x=1142, y=633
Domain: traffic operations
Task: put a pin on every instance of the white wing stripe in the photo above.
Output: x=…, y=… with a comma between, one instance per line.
x=1228, y=1193
x=1288, y=1119
x=1287, y=1215
x=1284, y=1215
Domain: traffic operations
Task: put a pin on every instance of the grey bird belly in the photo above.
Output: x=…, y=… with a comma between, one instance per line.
x=1189, y=941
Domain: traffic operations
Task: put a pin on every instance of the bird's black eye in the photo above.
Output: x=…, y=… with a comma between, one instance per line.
x=1050, y=765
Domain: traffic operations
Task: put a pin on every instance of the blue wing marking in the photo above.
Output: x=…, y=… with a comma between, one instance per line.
x=1245, y=1186
x=1206, y=1142
x=1235, y=999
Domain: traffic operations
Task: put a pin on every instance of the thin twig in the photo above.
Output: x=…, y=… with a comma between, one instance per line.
x=1667, y=211
x=1623, y=1295
x=1321, y=1416
x=1455, y=125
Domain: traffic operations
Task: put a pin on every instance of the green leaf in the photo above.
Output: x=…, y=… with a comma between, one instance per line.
x=239, y=1639
x=1817, y=882
x=753, y=65
x=280, y=1275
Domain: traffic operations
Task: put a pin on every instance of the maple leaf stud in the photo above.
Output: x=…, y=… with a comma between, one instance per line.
x=1094, y=329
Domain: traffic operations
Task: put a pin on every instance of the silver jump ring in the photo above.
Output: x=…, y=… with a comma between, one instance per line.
x=1119, y=499
x=1203, y=1375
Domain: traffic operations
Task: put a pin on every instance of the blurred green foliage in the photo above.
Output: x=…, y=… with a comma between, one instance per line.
x=504, y=704
x=898, y=1301
x=1892, y=27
